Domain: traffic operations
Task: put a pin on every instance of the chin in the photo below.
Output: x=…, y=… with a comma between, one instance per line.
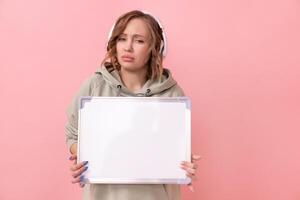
x=130, y=66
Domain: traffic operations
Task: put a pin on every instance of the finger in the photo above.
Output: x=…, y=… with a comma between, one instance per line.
x=79, y=172
x=78, y=179
x=196, y=157
x=73, y=157
x=190, y=165
x=81, y=185
x=75, y=167
x=189, y=170
x=75, y=160
x=193, y=177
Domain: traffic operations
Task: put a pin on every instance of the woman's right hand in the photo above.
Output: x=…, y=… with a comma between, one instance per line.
x=77, y=170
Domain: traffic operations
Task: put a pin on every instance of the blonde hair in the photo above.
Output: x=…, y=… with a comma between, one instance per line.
x=155, y=69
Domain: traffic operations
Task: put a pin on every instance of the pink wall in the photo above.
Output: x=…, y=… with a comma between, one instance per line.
x=239, y=61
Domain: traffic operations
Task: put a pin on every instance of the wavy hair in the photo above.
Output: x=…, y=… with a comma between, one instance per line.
x=155, y=68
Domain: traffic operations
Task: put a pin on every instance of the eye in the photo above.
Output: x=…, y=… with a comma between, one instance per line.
x=121, y=39
x=140, y=41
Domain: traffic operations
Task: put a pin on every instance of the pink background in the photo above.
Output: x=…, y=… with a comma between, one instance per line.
x=239, y=62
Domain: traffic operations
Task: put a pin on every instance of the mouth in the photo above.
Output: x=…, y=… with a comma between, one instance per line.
x=127, y=58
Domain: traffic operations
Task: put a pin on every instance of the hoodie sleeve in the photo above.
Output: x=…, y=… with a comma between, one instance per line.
x=71, y=127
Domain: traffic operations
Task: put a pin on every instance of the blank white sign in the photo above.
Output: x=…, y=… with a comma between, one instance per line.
x=137, y=140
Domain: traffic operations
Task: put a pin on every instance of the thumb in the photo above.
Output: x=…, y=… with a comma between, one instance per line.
x=73, y=157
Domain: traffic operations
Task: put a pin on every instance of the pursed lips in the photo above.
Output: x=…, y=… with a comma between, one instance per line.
x=127, y=57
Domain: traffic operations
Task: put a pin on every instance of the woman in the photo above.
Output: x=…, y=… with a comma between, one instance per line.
x=132, y=67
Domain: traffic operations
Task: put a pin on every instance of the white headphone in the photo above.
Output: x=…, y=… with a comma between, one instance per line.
x=163, y=44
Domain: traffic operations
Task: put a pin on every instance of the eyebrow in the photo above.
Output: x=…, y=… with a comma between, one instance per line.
x=134, y=35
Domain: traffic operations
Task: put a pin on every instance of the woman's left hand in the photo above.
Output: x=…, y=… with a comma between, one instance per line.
x=191, y=169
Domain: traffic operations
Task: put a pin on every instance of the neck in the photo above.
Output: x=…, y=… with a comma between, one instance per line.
x=133, y=80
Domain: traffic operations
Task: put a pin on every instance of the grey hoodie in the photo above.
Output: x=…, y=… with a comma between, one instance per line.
x=107, y=82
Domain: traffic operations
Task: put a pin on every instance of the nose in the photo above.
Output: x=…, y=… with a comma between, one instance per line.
x=128, y=45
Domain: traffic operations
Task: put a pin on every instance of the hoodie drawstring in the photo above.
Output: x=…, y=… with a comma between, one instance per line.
x=119, y=90
x=147, y=94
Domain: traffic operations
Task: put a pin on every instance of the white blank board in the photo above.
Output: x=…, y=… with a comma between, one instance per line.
x=134, y=140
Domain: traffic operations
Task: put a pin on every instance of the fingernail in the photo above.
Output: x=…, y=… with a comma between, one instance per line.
x=85, y=168
x=70, y=157
x=81, y=178
x=85, y=162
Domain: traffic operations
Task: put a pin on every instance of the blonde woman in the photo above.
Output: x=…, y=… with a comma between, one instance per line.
x=131, y=67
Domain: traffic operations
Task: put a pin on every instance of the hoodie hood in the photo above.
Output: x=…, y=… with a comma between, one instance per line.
x=112, y=78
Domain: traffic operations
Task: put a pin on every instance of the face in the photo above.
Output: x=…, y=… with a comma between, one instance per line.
x=133, y=46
